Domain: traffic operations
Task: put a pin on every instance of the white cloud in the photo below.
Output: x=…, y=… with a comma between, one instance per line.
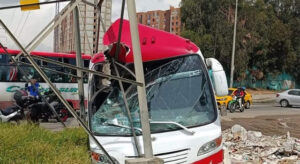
x=142, y=6
x=38, y=19
x=26, y=29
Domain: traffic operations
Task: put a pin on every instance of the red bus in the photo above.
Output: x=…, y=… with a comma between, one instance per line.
x=11, y=79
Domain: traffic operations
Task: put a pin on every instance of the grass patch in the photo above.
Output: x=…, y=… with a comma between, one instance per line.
x=32, y=144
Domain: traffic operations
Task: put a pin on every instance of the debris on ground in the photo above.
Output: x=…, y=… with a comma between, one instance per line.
x=245, y=146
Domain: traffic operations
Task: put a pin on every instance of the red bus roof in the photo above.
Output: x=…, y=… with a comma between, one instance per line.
x=155, y=44
x=46, y=54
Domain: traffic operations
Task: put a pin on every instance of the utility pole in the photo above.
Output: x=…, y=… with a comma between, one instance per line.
x=79, y=62
x=233, y=46
x=139, y=71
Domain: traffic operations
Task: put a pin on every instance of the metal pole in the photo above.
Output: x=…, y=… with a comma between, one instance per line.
x=79, y=62
x=98, y=7
x=233, y=45
x=28, y=80
x=48, y=29
x=56, y=91
x=87, y=70
x=139, y=71
x=136, y=143
x=33, y=4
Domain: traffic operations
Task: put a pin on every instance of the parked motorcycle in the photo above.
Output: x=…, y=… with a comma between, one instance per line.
x=236, y=104
x=42, y=111
x=16, y=112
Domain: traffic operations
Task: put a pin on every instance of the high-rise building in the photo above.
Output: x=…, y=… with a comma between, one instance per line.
x=168, y=20
x=3, y=36
x=64, y=38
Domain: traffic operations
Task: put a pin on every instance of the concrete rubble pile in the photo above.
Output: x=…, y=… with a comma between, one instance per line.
x=242, y=146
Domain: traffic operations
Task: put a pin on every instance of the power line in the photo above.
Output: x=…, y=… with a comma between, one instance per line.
x=33, y=4
x=24, y=24
x=19, y=23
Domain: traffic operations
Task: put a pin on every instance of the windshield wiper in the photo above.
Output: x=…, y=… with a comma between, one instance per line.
x=174, y=123
x=123, y=126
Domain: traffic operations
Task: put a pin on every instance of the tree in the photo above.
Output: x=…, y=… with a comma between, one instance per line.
x=268, y=33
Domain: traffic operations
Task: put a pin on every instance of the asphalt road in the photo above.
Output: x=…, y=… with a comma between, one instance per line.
x=263, y=109
x=256, y=110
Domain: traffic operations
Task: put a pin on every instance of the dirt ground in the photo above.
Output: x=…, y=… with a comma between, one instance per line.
x=268, y=125
x=260, y=91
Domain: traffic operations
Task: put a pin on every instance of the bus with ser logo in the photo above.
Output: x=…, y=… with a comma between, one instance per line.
x=12, y=80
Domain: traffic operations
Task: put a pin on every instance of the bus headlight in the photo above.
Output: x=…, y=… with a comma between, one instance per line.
x=101, y=158
x=210, y=146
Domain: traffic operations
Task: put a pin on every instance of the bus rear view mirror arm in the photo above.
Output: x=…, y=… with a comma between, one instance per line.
x=218, y=76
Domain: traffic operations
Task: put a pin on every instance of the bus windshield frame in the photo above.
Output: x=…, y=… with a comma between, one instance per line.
x=179, y=95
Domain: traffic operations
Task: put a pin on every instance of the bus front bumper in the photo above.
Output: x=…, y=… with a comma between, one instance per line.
x=216, y=158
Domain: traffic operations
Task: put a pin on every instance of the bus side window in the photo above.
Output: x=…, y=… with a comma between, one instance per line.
x=37, y=61
x=50, y=64
x=86, y=63
x=66, y=60
x=44, y=63
x=4, y=67
x=3, y=59
x=72, y=61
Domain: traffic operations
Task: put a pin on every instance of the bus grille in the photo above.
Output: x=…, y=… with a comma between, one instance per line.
x=176, y=157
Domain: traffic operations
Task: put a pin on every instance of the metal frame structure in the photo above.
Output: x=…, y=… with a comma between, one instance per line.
x=138, y=64
x=79, y=62
x=28, y=81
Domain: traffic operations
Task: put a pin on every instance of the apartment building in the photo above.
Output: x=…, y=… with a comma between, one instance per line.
x=168, y=20
x=64, y=39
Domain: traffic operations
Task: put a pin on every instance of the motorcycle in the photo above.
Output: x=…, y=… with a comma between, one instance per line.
x=42, y=111
x=16, y=112
x=236, y=104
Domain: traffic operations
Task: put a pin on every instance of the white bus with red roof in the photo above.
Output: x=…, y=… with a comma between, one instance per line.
x=184, y=120
x=11, y=78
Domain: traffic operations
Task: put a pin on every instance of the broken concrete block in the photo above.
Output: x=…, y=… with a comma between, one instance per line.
x=269, y=152
x=288, y=146
x=239, y=132
x=254, y=135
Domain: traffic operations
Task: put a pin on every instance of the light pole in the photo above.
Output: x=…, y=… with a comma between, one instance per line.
x=233, y=46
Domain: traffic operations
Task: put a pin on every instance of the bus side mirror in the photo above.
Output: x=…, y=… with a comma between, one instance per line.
x=218, y=77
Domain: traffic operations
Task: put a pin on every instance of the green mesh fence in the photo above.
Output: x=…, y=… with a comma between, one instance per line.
x=270, y=81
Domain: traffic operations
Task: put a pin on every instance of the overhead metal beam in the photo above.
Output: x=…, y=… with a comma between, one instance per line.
x=56, y=91
x=87, y=70
x=28, y=80
x=49, y=69
x=48, y=29
x=33, y=4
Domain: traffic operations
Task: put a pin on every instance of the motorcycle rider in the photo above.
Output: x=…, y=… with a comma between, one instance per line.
x=240, y=94
x=33, y=90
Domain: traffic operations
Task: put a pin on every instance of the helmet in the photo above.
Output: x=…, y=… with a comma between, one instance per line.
x=243, y=88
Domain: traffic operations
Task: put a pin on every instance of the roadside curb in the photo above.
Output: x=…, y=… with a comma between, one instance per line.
x=263, y=100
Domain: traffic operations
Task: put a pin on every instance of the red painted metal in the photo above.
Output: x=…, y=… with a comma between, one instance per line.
x=46, y=54
x=98, y=58
x=213, y=159
x=155, y=44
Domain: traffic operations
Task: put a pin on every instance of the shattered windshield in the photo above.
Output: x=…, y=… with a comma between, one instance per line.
x=177, y=91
